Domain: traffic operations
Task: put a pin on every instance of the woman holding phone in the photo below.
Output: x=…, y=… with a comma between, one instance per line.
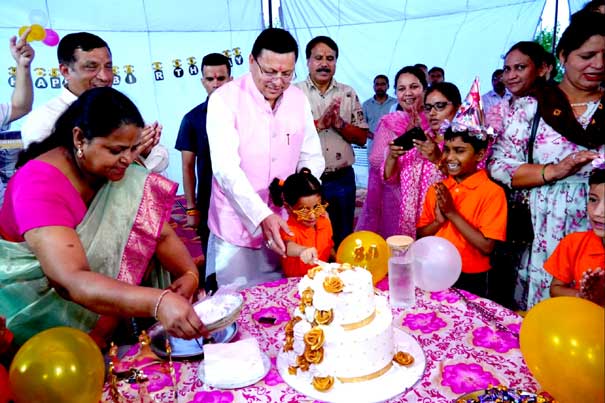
x=399, y=178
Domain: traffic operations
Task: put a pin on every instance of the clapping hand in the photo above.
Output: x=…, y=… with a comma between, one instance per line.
x=444, y=200
x=331, y=115
x=592, y=286
x=439, y=217
x=21, y=51
x=150, y=137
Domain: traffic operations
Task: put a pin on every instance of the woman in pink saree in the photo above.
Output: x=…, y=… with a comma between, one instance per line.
x=80, y=224
x=398, y=179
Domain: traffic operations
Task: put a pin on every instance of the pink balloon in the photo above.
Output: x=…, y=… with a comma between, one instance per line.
x=437, y=263
x=52, y=38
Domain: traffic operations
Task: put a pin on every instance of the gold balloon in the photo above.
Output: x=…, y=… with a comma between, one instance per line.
x=562, y=343
x=365, y=249
x=58, y=365
x=37, y=33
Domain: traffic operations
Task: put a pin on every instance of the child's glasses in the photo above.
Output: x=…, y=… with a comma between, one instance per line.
x=304, y=214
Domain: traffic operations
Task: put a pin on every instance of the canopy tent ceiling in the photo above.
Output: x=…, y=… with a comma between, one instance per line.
x=466, y=38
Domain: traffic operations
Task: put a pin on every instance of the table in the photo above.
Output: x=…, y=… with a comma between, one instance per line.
x=464, y=350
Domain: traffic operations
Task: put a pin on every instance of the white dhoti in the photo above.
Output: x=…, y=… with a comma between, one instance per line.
x=231, y=262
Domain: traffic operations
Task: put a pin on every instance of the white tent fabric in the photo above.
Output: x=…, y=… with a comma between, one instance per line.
x=467, y=38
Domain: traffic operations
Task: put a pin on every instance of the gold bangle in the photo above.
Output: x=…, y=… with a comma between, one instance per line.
x=158, y=302
x=195, y=276
x=192, y=211
x=543, y=171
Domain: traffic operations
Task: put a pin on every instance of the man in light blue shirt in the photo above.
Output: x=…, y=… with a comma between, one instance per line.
x=377, y=106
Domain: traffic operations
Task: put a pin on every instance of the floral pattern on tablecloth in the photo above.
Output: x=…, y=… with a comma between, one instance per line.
x=464, y=351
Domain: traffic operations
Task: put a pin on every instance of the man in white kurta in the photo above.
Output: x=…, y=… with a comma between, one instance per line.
x=85, y=61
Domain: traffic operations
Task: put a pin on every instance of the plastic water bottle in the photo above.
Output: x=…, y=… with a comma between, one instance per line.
x=401, y=275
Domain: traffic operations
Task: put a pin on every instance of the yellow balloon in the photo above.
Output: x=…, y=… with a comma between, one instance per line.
x=37, y=33
x=562, y=343
x=365, y=249
x=58, y=365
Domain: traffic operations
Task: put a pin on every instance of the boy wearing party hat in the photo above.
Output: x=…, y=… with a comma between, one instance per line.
x=467, y=208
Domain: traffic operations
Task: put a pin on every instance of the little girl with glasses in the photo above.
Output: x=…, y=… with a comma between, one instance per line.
x=311, y=238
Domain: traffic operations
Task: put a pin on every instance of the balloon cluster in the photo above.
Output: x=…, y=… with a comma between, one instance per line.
x=38, y=20
x=437, y=262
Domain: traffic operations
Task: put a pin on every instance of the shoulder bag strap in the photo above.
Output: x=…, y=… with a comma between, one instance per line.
x=532, y=137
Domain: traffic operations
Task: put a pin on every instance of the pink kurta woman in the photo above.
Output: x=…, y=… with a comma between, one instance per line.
x=398, y=179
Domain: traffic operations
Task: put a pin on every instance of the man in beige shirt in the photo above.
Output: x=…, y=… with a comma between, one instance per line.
x=340, y=122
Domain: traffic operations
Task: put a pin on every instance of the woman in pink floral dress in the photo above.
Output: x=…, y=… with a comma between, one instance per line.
x=569, y=137
x=394, y=201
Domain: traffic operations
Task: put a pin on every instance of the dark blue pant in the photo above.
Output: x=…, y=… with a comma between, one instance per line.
x=10, y=143
x=339, y=192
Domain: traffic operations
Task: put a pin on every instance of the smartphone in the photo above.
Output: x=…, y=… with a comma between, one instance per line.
x=406, y=139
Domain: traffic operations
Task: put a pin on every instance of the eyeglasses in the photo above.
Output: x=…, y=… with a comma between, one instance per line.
x=286, y=77
x=304, y=214
x=439, y=106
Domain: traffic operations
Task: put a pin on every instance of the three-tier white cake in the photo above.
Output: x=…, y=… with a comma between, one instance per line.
x=342, y=331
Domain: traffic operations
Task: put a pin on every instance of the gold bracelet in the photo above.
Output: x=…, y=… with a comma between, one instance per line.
x=158, y=302
x=195, y=276
x=192, y=211
x=543, y=171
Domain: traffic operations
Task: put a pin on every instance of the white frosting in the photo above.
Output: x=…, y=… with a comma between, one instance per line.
x=353, y=304
x=361, y=351
x=347, y=353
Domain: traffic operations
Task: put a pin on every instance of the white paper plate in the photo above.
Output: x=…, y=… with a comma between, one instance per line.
x=396, y=381
x=236, y=383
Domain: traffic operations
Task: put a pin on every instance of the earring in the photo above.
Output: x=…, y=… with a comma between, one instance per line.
x=80, y=153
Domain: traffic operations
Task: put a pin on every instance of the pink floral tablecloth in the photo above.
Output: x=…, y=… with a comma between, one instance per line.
x=465, y=351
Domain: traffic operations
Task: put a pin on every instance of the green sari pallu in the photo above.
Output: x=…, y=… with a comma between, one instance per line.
x=119, y=234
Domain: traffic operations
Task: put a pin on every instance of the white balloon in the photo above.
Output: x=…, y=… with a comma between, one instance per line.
x=437, y=263
x=38, y=17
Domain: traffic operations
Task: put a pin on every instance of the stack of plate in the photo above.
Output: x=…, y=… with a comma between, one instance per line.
x=219, y=311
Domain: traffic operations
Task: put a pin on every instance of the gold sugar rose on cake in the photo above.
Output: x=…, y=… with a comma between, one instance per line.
x=333, y=284
x=302, y=363
x=314, y=338
x=323, y=317
x=323, y=383
x=314, y=356
x=289, y=332
x=289, y=344
x=289, y=328
x=307, y=297
x=403, y=358
x=312, y=272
